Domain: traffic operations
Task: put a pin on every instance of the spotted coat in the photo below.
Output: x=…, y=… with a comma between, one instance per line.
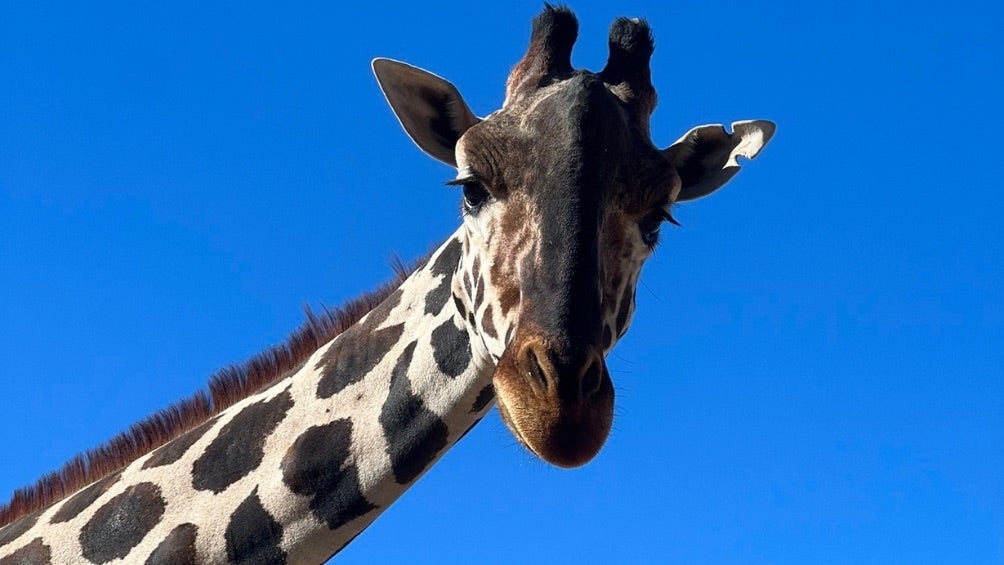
x=303, y=466
x=563, y=196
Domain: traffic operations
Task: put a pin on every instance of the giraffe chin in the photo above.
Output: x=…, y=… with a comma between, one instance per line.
x=565, y=432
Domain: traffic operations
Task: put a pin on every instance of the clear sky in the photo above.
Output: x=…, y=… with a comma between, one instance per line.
x=814, y=374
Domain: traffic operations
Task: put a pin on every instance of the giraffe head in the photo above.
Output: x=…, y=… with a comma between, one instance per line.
x=563, y=197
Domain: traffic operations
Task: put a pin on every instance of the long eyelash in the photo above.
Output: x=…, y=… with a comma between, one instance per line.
x=669, y=218
x=460, y=182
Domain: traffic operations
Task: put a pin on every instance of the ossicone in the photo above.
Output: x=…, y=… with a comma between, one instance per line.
x=627, y=69
x=549, y=56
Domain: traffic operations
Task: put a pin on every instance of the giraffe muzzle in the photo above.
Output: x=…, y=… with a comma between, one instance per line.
x=557, y=401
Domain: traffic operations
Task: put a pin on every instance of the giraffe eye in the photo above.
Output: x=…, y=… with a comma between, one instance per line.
x=650, y=231
x=475, y=195
x=650, y=224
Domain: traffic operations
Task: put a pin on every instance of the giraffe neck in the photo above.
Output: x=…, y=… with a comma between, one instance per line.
x=295, y=471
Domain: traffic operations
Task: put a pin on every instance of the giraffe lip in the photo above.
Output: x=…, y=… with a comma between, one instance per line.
x=514, y=428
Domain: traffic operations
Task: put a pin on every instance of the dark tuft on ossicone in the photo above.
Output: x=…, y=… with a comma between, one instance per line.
x=555, y=29
x=549, y=55
x=627, y=69
x=631, y=48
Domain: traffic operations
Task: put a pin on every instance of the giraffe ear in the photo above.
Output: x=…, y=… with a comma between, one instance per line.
x=429, y=108
x=706, y=157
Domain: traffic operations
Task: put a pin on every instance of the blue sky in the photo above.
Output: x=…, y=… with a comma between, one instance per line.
x=814, y=374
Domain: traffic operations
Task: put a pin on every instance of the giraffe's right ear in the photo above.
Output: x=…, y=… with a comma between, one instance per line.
x=429, y=108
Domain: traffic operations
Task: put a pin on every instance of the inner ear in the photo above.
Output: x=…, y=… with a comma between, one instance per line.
x=706, y=157
x=429, y=108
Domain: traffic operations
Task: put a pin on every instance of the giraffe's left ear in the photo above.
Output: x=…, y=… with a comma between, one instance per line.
x=706, y=156
x=429, y=108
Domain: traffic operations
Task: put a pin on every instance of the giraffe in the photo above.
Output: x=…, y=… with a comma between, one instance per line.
x=564, y=194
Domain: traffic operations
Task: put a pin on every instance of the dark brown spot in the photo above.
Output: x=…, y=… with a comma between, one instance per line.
x=353, y=355
x=35, y=553
x=173, y=450
x=484, y=398
x=380, y=313
x=83, y=499
x=16, y=529
x=448, y=259
x=468, y=285
x=121, y=523
x=461, y=308
x=415, y=434
x=315, y=466
x=240, y=446
x=508, y=299
x=451, y=348
x=437, y=297
x=488, y=323
x=253, y=535
x=178, y=548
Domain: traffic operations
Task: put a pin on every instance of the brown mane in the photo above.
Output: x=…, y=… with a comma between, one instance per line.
x=225, y=388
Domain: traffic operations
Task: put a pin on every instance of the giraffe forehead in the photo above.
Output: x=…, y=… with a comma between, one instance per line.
x=572, y=141
x=547, y=136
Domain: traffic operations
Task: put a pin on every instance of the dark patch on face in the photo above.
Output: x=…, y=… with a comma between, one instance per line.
x=627, y=300
x=508, y=299
x=451, y=347
x=178, y=548
x=121, y=523
x=469, y=286
x=488, y=324
x=35, y=553
x=239, y=448
x=461, y=308
x=16, y=529
x=414, y=433
x=608, y=338
x=437, y=297
x=315, y=466
x=448, y=260
x=83, y=499
x=484, y=398
x=177, y=447
x=471, y=320
x=354, y=355
x=253, y=535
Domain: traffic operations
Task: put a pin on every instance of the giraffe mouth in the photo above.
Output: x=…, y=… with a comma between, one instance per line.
x=562, y=419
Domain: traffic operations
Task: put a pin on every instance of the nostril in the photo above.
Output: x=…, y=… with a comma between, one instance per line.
x=592, y=378
x=534, y=370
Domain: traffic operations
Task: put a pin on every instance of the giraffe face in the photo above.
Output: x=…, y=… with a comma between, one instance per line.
x=563, y=196
x=563, y=199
